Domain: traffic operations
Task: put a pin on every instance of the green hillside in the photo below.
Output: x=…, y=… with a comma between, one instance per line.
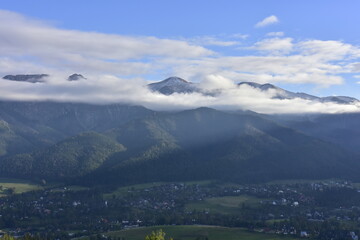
x=197, y=232
x=182, y=146
x=72, y=157
x=208, y=144
x=29, y=126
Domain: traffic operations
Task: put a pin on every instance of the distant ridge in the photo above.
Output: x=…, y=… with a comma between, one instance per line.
x=38, y=78
x=32, y=78
x=121, y=144
x=173, y=85
x=284, y=94
x=75, y=77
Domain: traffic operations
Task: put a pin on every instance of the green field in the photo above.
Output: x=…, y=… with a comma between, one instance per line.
x=195, y=231
x=18, y=185
x=124, y=190
x=302, y=181
x=356, y=185
x=73, y=188
x=224, y=205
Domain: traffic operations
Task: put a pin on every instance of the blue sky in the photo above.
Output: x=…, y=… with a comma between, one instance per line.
x=317, y=42
x=321, y=19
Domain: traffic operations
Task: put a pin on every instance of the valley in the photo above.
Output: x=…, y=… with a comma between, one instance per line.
x=85, y=171
x=319, y=209
x=123, y=145
x=179, y=120
x=197, y=232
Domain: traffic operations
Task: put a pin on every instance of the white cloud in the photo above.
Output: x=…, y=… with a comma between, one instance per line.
x=212, y=41
x=275, y=45
x=23, y=38
x=357, y=76
x=267, y=21
x=240, y=36
x=311, y=61
x=275, y=34
x=290, y=69
x=28, y=46
x=328, y=50
x=354, y=67
x=8, y=65
x=216, y=82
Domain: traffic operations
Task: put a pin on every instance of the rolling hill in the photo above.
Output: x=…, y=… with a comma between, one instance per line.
x=118, y=144
x=70, y=158
x=30, y=126
x=205, y=143
x=340, y=129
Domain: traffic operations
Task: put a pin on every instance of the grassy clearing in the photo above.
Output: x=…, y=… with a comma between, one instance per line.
x=73, y=188
x=201, y=183
x=76, y=188
x=272, y=221
x=301, y=181
x=356, y=185
x=195, y=231
x=224, y=205
x=18, y=185
x=124, y=190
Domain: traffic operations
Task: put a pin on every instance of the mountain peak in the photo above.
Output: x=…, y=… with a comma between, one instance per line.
x=75, y=77
x=284, y=94
x=32, y=78
x=172, y=85
x=174, y=79
x=265, y=86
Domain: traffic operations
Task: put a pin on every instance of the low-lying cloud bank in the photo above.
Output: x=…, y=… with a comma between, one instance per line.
x=110, y=89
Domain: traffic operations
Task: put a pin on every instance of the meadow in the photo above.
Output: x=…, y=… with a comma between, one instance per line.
x=16, y=186
x=224, y=205
x=195, y=232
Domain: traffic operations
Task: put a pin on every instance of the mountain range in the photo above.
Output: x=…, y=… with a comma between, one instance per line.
x=173, y=85
x=120, y=144
x=32, y=78
x=38, y=78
